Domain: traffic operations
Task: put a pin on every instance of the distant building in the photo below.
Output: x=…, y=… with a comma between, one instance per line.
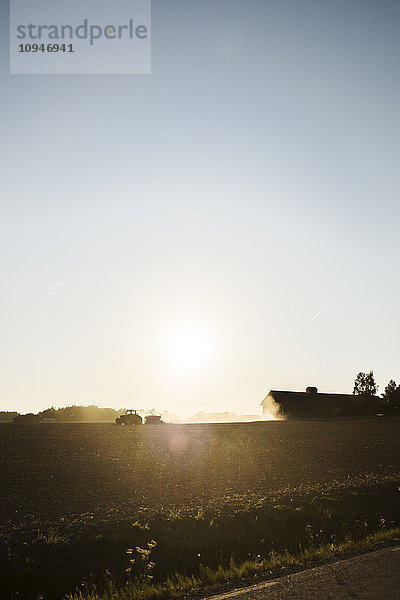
x=28, y=418
x=7, y=416
x=311, y=403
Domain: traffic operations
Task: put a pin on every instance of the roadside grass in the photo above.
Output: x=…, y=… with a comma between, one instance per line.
x=179, y=584
x=130, y=560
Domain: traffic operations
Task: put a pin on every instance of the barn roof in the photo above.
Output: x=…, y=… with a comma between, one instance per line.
x=287, y=398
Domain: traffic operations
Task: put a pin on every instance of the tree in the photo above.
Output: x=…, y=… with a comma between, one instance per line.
x=391, y=395
x=49, y=413
x=365, y=389
x=365, y=386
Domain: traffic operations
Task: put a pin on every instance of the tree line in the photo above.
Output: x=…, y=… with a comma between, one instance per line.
x=69, y=414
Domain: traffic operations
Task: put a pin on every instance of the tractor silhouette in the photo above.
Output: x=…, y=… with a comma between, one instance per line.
x=129, y=418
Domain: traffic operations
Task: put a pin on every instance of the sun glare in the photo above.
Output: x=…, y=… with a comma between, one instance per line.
x=189, y=348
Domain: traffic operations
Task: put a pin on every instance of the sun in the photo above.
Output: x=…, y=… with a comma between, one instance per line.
x=189, y=347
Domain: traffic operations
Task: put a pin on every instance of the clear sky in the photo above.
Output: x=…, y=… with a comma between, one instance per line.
x=170, y=240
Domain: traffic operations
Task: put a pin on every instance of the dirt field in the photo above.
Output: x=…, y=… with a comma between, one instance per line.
x=77, y=473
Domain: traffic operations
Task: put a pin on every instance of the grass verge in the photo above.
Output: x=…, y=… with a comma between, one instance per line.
x=126, y=559
x=178, y=584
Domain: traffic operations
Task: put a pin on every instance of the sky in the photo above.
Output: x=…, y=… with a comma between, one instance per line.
x=229, y=224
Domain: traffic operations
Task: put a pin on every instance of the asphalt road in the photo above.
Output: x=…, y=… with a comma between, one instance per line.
x=373, y=576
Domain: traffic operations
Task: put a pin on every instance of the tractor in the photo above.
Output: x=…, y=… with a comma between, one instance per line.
x=131, y=417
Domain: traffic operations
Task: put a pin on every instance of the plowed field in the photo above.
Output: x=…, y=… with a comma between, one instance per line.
x=59, y=474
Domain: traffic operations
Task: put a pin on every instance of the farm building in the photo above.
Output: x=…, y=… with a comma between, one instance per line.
x=28, y=418
x=311, y=403
x=7, y=416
